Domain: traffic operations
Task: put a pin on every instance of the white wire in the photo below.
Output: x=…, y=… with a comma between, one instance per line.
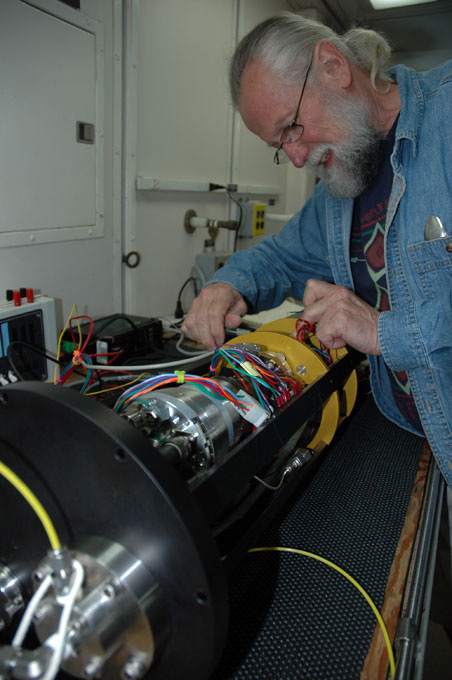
x=28, y=614
x=147, y=367
x=60, y=638
x=194, y=353
x=68, y=603
x=269, y=486
x=174, y=329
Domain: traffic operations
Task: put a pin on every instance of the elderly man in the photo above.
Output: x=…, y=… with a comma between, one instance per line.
x=359, y=254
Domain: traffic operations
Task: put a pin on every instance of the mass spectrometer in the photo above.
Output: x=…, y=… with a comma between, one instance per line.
x=146, y=503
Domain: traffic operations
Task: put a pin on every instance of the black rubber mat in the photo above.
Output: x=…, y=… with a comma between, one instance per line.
x=294, y=618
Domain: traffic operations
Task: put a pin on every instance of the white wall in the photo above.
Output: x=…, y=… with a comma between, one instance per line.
x=85, y=272
x=183, y=127
x=185, y=131
x=422, y=60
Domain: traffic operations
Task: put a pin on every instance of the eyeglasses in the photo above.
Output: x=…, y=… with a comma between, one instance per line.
x=293, y=131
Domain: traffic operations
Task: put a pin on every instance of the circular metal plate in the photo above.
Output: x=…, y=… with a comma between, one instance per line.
x=96, y=475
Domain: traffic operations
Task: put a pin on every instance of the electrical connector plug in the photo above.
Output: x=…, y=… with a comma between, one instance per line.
x=255, y=414
x=60, y=561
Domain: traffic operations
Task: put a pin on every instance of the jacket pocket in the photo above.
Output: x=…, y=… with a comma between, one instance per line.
x=432, y=261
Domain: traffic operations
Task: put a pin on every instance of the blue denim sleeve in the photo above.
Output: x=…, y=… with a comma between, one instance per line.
x=280, y=265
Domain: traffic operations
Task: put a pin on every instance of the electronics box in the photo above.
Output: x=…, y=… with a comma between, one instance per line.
x=130, y=335
x=30, y=325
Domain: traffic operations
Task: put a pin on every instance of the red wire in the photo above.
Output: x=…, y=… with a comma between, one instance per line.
x=90, y=332
x=67, y=375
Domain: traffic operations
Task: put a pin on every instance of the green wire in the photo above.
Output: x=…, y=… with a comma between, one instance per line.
x=249, y=375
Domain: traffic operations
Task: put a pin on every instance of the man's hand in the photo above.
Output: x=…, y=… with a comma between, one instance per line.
x=218, y=305
x=342, y=318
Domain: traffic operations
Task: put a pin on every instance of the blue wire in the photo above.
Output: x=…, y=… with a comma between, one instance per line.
x=65, y=370
x=89, y=373
x=149, y=383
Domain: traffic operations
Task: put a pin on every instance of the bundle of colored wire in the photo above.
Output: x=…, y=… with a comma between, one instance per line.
x=112, y=388
x=262, y=378
x=78, y=344
x=88, y=373
x=208, y=385
x=305, y=331
x=77, y=359
x=60, y=338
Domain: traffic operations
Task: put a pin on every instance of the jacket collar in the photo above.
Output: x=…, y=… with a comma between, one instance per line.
x=412, y=105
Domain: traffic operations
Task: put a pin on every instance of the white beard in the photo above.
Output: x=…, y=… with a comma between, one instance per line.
x=357, y=159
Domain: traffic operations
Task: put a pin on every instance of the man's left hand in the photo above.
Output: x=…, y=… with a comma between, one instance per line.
x=342, y=318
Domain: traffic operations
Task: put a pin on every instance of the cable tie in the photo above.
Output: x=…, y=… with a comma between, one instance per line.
x=77, y=357
x=180, y=377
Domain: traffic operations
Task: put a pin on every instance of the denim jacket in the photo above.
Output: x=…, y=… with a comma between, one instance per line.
x=416, y=333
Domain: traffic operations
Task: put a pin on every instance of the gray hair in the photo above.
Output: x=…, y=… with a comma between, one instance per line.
x=285, y=43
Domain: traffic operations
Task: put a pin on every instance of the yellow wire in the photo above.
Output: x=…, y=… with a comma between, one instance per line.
x=117, y=387
x=74, y=312
x=353, y=581
x=29, y=496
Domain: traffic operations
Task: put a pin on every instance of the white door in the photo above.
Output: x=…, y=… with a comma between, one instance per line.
x=60, y=162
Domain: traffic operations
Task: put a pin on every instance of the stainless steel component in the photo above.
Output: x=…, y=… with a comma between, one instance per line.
x=60, y=561
x=299, y=459
x=134, y=669
x=249, y=347
x=434, y=229
x=24, y=664
x=11, y=598
x=40, y=573
x=189, y=426
x=113, y=619
x=93, y=667
x=295, y=463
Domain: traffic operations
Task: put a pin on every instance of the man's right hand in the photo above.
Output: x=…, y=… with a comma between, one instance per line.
x=218, y=305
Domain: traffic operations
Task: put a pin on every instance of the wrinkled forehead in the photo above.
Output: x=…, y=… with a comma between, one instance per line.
x=266, y=104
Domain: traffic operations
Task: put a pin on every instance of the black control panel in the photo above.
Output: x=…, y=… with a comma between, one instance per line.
x=19, y=335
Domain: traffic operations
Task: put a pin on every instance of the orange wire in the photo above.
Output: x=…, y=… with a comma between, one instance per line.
x=149, y=389
x=223, y=391
x=187, y=379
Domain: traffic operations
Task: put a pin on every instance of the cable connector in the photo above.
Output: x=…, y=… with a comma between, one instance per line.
x=256, y=414
x=298, y=460
x=61, y=563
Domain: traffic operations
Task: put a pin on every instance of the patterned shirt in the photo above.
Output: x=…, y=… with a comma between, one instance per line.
x=367, y=255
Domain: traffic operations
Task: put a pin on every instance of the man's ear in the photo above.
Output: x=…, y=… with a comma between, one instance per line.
x=333, y=68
